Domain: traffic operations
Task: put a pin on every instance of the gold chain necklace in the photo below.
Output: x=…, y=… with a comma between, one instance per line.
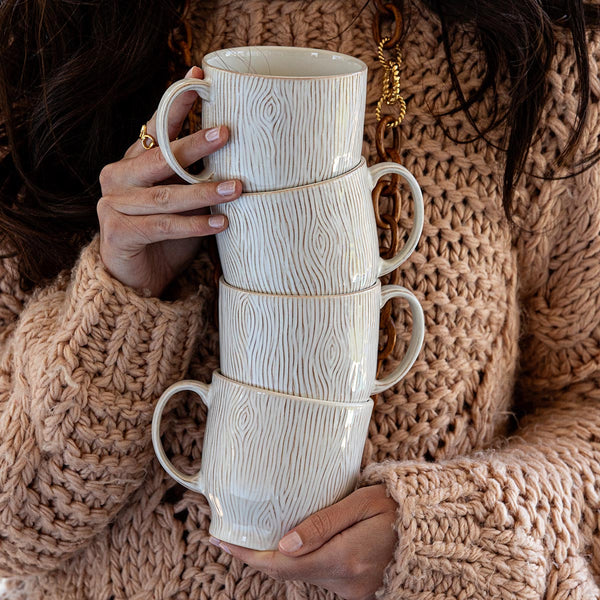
x=386, y=125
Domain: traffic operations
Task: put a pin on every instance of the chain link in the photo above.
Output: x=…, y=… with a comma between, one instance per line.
x=391, y=84
x=386, y=193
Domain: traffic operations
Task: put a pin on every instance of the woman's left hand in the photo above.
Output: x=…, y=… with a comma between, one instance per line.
x=343, y=548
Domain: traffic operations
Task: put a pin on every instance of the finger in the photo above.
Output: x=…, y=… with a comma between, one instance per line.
x=323, y=525
x=363, y=549
x=130, y=233
x=150, y=168
x=170, y=199
x=277, y=565
x=317, y=567
x=177, y=115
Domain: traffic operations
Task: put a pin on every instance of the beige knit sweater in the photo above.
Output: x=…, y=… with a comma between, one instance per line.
x=490, y=505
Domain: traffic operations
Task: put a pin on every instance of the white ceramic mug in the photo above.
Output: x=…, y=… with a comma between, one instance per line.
x=268, y=460
x=314, y=239
x=322, y=347
x=295, y=115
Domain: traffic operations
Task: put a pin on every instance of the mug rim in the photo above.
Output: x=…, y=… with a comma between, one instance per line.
x=315, y=184
x=365, y=291
x=284, y=49
x=341, y=405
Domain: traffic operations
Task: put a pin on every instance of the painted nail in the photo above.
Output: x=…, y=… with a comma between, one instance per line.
x=290, y=542
x=212, y=134
x=216, y=221
x=224, y=548
x=226, y=188
x=214, y=541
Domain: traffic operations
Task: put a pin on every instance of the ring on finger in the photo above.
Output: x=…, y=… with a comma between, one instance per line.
x=148, y=141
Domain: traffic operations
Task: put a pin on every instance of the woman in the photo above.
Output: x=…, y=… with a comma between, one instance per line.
x=482, y=468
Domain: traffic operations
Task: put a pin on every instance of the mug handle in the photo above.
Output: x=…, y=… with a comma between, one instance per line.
x=377, y=172
x=416, y=339
x=204, y=90
x=194, y=482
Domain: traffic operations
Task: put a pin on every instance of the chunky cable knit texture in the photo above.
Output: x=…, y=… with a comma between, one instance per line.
x=491, y=445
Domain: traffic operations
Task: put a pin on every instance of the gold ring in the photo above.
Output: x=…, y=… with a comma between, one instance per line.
x=148, y=141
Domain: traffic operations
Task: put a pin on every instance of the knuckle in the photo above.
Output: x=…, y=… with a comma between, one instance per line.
x=157, y=161
x=371, y=500
x=163, y=225
x=160, y=196
x=111, y=227
x=198, y=225
x=102, y=207
x=349, y=565
x=105, y=213
x=366, y=507
x=355, y=568
x=320, y=524
x=106, y=176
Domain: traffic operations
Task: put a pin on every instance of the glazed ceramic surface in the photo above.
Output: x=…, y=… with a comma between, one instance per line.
x=269, y=460
x=295, y=115
x=315, y=239
x=322, y=347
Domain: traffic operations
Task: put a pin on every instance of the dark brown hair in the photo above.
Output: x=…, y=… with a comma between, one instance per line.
x=518, y=37
x=75, y=76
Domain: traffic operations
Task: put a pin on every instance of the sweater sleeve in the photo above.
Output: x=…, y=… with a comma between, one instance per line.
x=80, y=370
x=518, y=523
x=521, y=521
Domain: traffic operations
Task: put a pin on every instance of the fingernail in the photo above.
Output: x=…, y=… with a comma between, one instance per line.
x=290, y=542
x=190, y=71
x=224, y=548
x=214, y=540
x=212, y=134
x=226, y=188
x=216, y=221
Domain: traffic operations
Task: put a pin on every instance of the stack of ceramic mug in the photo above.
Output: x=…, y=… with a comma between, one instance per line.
x=300, y=297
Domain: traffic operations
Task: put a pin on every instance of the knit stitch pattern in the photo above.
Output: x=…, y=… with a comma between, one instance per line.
x=490, y=445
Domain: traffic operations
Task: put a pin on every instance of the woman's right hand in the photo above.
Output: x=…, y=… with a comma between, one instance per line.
x=150, y=225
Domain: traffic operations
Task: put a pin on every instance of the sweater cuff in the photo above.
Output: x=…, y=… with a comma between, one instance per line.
x=112, y=353
x=153, y=337
x=461, y=532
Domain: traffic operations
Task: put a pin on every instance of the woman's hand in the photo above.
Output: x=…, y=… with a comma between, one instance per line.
x=343, y=548
x=150, y=223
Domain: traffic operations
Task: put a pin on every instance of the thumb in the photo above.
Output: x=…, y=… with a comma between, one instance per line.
x=321, y=526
